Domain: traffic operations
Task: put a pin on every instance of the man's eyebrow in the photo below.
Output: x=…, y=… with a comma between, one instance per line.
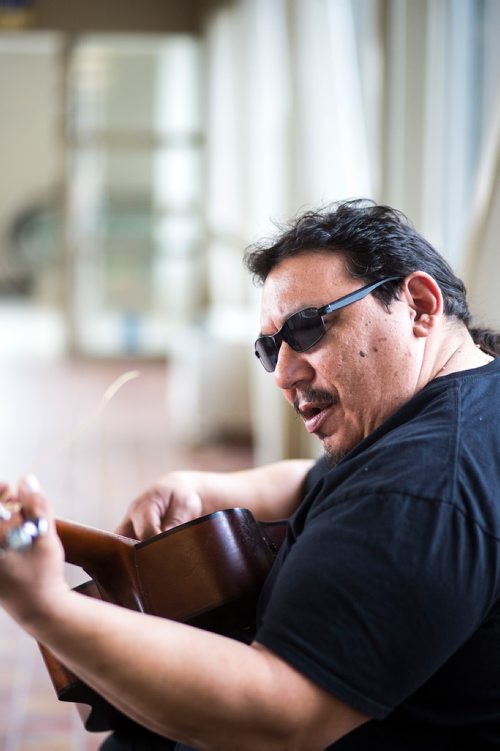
x=288, y=316
x=261, y=333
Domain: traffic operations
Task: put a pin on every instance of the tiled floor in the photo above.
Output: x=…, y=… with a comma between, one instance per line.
x=113, y=454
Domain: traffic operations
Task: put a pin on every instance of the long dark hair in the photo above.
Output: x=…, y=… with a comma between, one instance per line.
x=376, y=241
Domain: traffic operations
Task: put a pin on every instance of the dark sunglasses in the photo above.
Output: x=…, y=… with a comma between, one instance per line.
x=306, y=328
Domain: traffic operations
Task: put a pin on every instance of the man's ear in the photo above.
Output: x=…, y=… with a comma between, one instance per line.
x=425, y=299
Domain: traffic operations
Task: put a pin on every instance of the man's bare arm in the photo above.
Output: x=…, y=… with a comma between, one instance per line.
x=271, y=492
x=190, y=685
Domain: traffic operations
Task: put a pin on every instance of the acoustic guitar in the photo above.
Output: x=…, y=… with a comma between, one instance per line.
x=207, y=573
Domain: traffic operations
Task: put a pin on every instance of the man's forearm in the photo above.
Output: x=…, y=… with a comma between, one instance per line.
x=272, y=491
x=193, y=686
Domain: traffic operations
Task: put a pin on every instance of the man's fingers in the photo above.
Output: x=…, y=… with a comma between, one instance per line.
x=29, y=485
x=35, y=512
x=31, y=497
x=125, y=529
x=147, y=524
x=140, y=523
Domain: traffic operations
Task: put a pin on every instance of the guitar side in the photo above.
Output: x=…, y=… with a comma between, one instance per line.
x=207, y=573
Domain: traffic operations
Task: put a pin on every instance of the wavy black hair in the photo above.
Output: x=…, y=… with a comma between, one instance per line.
x=377, y=241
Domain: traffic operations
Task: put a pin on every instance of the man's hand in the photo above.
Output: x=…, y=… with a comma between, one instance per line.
x=171, y=501
x=270, y=492
x=32, y=578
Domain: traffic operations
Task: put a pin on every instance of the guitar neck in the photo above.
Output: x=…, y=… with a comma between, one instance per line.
x=86, y=546
x=106, y=557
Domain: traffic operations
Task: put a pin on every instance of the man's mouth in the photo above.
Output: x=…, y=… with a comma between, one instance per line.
x=313, y=406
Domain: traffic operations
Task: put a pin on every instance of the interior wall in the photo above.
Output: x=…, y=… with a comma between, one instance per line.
x=30, y=85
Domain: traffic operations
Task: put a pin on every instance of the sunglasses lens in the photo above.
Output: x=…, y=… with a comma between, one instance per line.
x=267, y=350
x=301, y=331
x=304, y=329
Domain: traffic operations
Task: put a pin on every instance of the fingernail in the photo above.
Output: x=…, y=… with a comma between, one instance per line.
x=31, y=484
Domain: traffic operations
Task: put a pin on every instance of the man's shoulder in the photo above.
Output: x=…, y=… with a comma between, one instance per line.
x=443, y=446
x=409, y=452
x=452, y=415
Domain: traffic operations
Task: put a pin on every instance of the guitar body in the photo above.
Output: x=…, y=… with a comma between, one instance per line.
x=207, y=573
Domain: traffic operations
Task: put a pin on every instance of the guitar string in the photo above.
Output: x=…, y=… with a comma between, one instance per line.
x=59, y=446
x=9, y=506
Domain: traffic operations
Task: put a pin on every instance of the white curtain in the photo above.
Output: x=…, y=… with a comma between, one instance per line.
x=287, y=130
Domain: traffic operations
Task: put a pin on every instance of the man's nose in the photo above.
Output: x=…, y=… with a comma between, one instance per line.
x=291, y=367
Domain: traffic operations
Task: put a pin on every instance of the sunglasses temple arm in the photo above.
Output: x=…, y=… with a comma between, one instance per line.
x=355, y=296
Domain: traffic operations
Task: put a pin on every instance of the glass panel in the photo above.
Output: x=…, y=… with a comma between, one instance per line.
x=137, y=183
x=178, y=87
x=178, y=178
x=133, y=84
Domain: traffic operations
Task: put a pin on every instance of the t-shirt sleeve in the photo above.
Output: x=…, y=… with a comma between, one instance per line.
x=376, y=594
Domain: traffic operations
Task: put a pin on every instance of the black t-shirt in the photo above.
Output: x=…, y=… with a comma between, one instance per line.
x=386, y=590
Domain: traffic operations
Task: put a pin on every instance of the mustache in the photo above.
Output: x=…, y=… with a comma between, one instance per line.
x=314, y=395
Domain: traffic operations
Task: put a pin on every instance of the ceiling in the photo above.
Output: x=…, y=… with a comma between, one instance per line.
x=77, y=16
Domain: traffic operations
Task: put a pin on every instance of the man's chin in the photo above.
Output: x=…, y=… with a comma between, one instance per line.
x=333, y=452
x=333, y=456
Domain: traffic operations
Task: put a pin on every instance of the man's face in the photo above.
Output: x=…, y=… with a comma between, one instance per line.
x=363, y=369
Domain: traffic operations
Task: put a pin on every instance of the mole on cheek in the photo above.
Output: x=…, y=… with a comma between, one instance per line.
x=362, y=354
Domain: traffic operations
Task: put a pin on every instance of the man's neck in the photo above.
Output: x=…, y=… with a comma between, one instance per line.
x=461, y=353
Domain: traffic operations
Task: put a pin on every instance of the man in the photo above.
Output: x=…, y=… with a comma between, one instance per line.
x=379, y=625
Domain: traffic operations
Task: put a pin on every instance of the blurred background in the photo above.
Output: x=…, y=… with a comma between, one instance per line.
x=143, y=146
